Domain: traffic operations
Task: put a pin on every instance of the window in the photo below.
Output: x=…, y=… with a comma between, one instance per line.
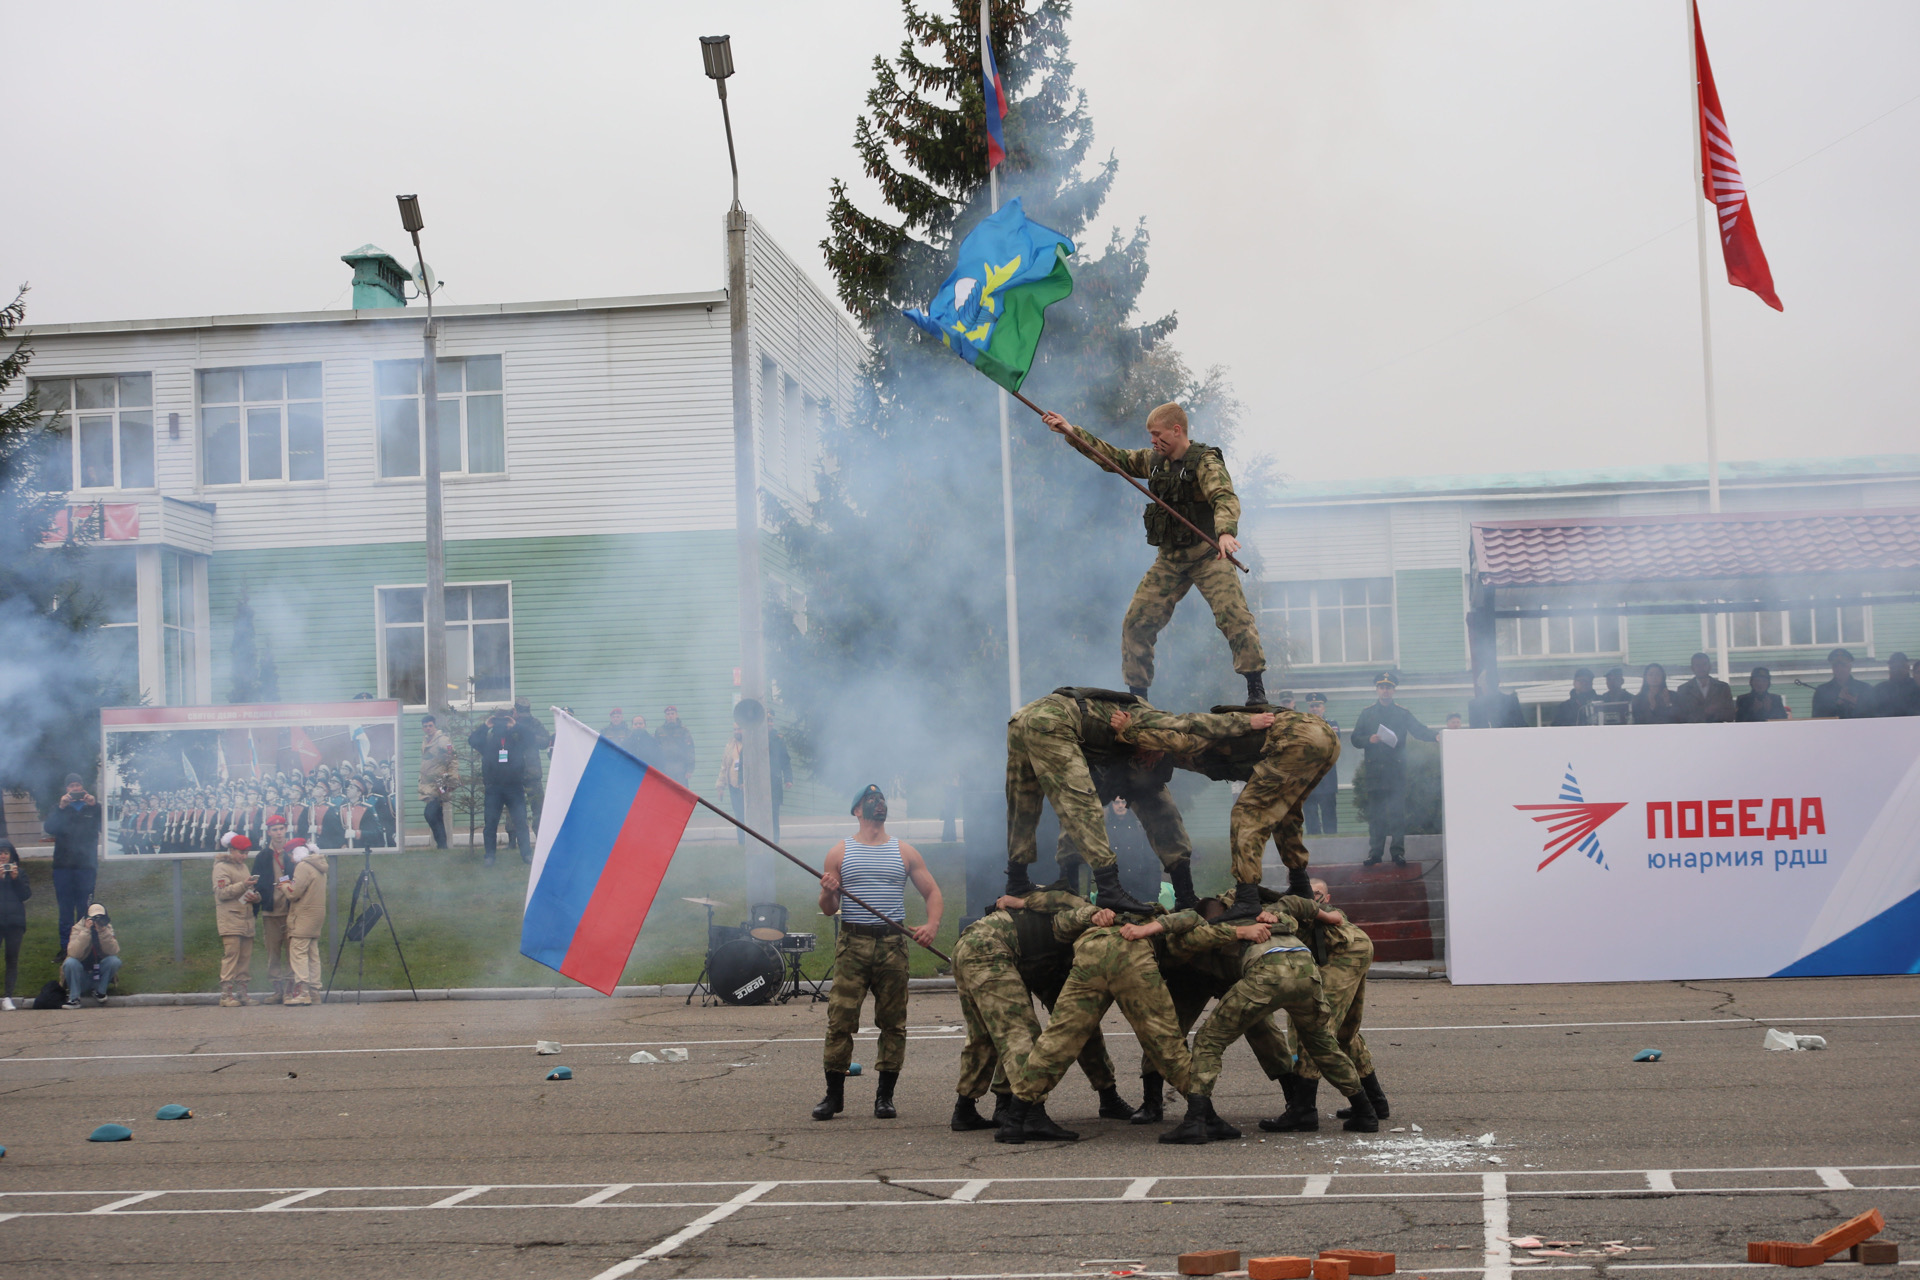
x=472, y=418
x=178, y=641
x=116, y=644
x=1346, y=620
x=479, y=643
x=1543, y=637
x=103, y=431
x=261, y=424
x=1786, y=628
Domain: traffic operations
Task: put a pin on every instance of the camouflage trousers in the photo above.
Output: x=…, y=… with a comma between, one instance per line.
x=1279, y=979
x=863, y=963
x=1268, y=1042
x=1344, y=980
x=1001, y=1028
x=1045, y=761
x=1159, y=818
x=1166, y=582
x=1299, y=751
x=1107, y=968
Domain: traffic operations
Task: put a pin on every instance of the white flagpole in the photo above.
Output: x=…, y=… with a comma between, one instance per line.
x=1006, y=439
x=1706, y=310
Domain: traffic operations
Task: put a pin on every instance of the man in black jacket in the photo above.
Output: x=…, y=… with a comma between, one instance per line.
x=505, y=743
x=1382, y=731
x=74, y=825
x=1898, y=694
x=1574, y=710
x=1843, y=696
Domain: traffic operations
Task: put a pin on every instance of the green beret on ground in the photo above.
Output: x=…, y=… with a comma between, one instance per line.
x=111, y=1133
x=560, y=1073
x=173, y=1111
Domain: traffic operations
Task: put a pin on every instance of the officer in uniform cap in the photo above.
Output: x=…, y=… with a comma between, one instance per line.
x=1192, y=479
x=1382, y=731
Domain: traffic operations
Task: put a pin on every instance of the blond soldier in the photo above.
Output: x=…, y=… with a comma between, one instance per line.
x=1192, y=479
x=1343, y=978
x=233, y=899
x=306, y=896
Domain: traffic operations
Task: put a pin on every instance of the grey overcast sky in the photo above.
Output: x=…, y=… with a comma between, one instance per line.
x=1423, y=237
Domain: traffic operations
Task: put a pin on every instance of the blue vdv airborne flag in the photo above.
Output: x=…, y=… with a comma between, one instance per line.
x=992, y=308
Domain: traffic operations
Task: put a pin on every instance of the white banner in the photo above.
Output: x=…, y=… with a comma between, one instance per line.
x=1620, y=853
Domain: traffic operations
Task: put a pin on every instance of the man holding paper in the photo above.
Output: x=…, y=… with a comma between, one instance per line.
x=1382, y=731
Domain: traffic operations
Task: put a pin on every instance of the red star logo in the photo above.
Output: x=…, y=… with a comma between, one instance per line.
x=1569, y=824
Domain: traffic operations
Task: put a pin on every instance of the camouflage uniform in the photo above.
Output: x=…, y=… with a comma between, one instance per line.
x=1052, y=744
x=997, y=973
x=863, y=963
x=1202, y=965
x=1108, y=968
x=1279, y=975
x=1281, y=768
x=1344, y=980
x=1184, y=561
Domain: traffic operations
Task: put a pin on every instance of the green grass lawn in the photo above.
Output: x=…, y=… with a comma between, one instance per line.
x=460, y=921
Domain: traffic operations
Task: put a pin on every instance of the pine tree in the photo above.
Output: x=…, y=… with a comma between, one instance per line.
x=901, y=559
x=50, y=687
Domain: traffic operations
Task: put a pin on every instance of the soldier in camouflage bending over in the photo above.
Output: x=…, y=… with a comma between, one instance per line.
x=1192, y=479
x=1051, y=743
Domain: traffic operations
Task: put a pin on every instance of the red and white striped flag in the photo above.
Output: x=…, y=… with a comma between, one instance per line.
x=1739, y=240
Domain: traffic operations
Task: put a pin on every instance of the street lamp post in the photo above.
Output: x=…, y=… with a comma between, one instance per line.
x=716, y=54
x=436, y=593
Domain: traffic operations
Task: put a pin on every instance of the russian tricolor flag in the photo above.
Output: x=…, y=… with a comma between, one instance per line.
x=607, y=832
x=996, y=101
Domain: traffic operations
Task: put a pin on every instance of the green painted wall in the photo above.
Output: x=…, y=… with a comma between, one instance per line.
x=1432, y=607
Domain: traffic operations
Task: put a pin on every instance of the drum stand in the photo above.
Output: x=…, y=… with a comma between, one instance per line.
x=797, y=981
x=702, y=987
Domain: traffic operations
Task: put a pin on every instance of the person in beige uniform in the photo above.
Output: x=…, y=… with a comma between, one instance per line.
x=306, y=897
x=233, y=899
x=273, y=872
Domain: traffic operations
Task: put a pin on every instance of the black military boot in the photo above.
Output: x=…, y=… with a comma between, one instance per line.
x=1361, y=1117
x=1246, y=904
x=1375, y=1094
x=836, y=1100
x=1303, y=1108
x=1181, y=873
x=1196, y=1127
x=1041, y=1128
x=1018, y=885
x=1299, y=884
x=1000, y=1103
x=1138, y=690
x=1217, y=1129
x=883, y=1096
x=1152, y=1108
x=1256, y=688
x=1111, y=895
x=1013, y=1122
x=967, y=1117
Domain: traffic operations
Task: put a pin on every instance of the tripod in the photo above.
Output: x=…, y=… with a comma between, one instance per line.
x=362, y=923
x=701, y=986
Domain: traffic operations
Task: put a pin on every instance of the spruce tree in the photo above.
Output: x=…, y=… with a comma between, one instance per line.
x=901, y=558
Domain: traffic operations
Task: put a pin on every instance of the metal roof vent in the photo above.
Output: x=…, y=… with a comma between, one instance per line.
x=378, y=279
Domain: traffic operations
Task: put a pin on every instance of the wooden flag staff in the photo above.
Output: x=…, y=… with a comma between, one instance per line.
x=1108, y=466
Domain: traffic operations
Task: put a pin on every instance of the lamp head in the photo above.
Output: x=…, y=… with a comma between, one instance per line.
x=410, y=214
x=717, y=53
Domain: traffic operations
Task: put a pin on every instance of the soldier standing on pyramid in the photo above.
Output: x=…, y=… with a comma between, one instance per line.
x=1192, y=479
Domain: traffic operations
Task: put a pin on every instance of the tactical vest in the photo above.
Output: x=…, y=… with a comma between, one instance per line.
x=1098, y=741
x=1178, y=485
x=1043, y=962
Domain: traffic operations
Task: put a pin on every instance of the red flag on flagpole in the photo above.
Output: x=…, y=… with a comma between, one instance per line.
x=1739, y=239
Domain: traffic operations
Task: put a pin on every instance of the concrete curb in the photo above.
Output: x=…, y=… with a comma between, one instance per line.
x=679, y=989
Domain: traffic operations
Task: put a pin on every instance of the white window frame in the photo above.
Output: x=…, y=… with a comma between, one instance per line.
x=1315, y=606
x=459, y=400
x=1786, y=630
x=72, y=413
x=380, y=626
x=242, y=405
x=1547, y=652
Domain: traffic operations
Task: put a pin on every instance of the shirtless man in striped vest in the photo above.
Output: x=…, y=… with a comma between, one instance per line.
x=871, y=954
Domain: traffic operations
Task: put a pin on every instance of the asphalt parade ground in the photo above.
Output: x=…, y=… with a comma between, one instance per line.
x=423, y=1141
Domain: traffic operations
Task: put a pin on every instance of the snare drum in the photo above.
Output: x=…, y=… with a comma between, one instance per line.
x=799, y=942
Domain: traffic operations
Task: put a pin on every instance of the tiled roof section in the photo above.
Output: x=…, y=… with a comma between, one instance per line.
x=1514, y=553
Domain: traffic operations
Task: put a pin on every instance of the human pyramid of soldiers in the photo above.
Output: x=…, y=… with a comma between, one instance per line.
x=1256, y=951
x=332, y=807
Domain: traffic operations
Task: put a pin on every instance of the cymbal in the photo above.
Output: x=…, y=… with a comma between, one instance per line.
x=768, y=935
x=704, y=902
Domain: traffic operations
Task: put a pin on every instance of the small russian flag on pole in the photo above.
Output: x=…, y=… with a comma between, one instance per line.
x=607, y=832
x=995, y=95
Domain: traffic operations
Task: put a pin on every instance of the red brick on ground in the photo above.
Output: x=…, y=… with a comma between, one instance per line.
x=1850, y=1233
x=1209, y=1262
x=1280, y=1268
x=1325, y=1268
x=1363, y=1262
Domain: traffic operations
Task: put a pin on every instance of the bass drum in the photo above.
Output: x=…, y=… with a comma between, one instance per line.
x=745, y=971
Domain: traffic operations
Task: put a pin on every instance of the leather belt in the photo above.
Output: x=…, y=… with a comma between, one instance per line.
x=870, y=930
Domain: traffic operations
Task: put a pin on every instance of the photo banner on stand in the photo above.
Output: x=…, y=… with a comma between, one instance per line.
x=1654, y=852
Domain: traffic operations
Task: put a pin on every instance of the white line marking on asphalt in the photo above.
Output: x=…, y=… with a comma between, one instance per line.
x=284, y=1201
x=458, y=1196
x=1660, y=1180
x=1138, y=1188
x=1317, y=1184
x=970, y=1191
x=1835, y=1179
x=121, y=1204
x=1493, y=1212
x=603, y=1195
x=700, y=1224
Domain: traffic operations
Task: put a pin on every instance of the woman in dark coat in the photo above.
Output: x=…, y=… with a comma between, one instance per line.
x=14, y=892
x=1654, y=703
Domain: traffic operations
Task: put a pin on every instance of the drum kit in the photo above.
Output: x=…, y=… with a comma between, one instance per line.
x=757, y=962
